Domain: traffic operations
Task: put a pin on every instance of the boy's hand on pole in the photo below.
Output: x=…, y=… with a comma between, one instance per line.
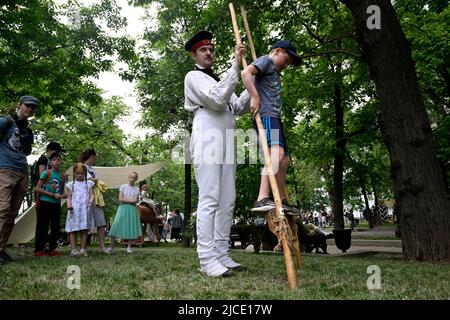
x=254, y=105
x=239, y=54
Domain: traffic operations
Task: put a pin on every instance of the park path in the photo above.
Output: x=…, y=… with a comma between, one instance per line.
x=366, y=240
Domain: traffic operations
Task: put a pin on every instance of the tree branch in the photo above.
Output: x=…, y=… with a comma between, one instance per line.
x=359, y=131
x=39, y=56
x=328, y=41
x=343, y=51
x=312, y=34
x=87, y=114
x=121, y=148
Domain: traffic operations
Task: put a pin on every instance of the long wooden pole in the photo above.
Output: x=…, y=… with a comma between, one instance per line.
x=248, y=33
x=292, y=277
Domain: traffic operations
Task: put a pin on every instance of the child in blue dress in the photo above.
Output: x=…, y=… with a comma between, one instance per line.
x=126, y=225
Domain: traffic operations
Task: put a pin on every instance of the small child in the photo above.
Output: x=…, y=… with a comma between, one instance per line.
x=80, y=199
x=50, y=190
x=265, y=94
x=126, y=224
x=88, y=157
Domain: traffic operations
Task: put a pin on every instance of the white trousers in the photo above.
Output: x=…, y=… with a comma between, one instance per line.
x=215, y=173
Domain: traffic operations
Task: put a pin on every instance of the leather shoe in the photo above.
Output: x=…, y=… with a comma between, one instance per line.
x=226, y=273
x=239, y=268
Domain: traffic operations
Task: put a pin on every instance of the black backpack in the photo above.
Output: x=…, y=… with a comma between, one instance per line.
x=34, y=173
x=11, y=121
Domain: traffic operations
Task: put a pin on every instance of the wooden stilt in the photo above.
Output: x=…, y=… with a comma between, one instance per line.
x=277, y=217
x=295, y=240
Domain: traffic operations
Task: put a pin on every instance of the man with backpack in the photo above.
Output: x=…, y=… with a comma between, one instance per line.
x=16, y=140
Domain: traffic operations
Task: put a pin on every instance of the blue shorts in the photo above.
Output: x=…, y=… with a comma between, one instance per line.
x=274, y=132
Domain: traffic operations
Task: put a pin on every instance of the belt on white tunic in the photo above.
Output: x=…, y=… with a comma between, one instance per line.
x=228, y=105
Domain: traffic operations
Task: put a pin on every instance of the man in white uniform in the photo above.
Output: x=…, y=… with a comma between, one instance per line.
x=214, y=106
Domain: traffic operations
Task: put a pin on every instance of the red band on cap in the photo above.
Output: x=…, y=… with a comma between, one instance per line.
x=200, y=44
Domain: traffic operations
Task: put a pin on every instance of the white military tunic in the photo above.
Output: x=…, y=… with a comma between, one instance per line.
x=214, y=105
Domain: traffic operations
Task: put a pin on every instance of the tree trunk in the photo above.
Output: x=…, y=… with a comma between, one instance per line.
x=187, y=194
x=364, y=191
x=376, y=213
x=368, y=212
x=338, y=193
x=424, y=208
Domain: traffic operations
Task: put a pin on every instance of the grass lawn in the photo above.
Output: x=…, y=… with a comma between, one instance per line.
x=170, y=272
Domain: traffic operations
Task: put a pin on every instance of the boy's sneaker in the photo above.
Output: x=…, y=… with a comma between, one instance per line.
x=263, y=205
x=129, y=250
x=290, y=210
x=39, y=254
x=107, y=250
x=83, y=252
x=54, y=253
x=74, y=253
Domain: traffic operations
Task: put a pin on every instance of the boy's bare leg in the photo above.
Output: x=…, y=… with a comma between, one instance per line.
x=264, y=186
x=281, y=176
x=279, y=165
x=277, y=154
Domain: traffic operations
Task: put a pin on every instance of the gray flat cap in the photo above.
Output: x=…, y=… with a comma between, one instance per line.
x=29, y=100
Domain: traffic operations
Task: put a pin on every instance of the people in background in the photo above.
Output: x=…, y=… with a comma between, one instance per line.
x=176, y=223
x=126, y=225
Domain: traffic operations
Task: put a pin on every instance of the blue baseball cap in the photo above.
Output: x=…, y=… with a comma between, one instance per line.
x=289, y=47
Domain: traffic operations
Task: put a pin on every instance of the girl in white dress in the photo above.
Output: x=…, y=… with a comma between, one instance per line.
x=88, y=157
x=126, y=225
x=80, y=198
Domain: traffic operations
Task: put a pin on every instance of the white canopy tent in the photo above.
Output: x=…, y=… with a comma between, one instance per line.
x=114, y=177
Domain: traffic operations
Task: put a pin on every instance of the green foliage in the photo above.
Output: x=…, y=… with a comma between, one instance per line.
x=323, y=32
x=426, y=25
x=162, y=69
x=86, y=126
x=42, y=56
